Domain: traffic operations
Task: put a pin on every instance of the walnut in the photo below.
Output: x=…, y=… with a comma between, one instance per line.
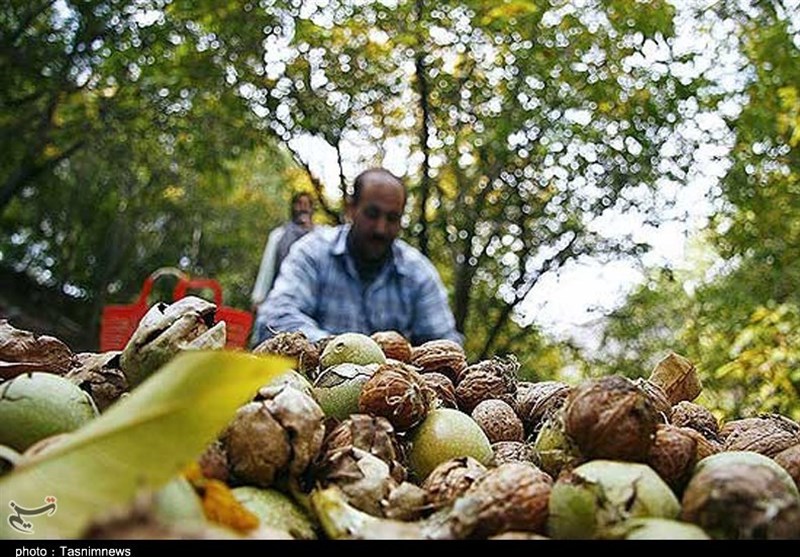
x=394, y=345
x=486, y=380
x=397, y=393
x=443, y=389
x=214, y=462
x=295, y=346
x=768, y=434
x=374, y=435
x=673, y=455
x=742, y=495
x=512, y=451
x=498, y=421
x=689, y=414
x=789, y=459
x=610, y=418
x=442, y=356
x=657, y=396
x=273, y=437
x=678, y=378
x=451, y=479
x=511, y=497
x=536, y=402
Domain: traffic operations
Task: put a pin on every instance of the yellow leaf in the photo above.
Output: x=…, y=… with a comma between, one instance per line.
x=140, y=442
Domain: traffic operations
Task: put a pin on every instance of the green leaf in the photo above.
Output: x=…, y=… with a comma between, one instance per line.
x=141, y=442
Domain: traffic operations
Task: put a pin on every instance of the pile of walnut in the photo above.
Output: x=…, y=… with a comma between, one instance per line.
x=417, y=442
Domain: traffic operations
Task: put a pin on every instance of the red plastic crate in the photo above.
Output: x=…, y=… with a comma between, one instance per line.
x=118, y=322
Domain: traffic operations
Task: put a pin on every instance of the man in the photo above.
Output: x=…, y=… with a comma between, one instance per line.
x=358, y=277
x=278, y=244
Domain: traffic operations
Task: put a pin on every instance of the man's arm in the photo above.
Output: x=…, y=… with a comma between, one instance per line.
x=433, y=317
x=291, y=302
x=267, y=270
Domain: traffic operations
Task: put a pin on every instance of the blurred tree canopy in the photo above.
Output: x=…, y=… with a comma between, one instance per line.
x=740, y=316
x=138, y=134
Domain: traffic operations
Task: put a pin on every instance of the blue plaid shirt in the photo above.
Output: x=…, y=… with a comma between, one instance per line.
x=319, y=292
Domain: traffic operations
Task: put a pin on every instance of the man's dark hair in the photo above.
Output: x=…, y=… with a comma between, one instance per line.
x=358, y=183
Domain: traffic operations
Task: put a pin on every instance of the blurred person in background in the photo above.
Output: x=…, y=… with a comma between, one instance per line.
x=278, y=244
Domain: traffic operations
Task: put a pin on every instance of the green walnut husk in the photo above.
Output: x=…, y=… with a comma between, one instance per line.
x=742, y=495
x=337, y=389
x=276, y=510
x=351, y=348
x=656, y=529
x=601, y=494
x=39, y=405
x=553, y=451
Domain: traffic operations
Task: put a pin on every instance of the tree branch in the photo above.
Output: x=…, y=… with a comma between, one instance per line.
x=319, y=187
x=424, y=105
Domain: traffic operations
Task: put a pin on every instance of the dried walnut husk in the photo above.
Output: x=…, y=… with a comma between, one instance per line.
x=394, y=345
x=276, y=436
x=536, y=402
x=451, y=480
x=374, y=435
x=511, y=497
x=611, y=418
x=26, y=352
x=443, y=389
x=396, y=392
x=768, y=434
x=442, y=356
x=498, y=421
x=678, y=378
x=295, y=346
x=490, y=379
x=100, y=376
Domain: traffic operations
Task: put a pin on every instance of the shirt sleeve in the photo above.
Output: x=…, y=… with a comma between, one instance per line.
x=267, y=270
x=292, y=300
x=433, y=317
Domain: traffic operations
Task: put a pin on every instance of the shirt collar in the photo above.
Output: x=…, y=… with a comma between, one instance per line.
x=401, y=263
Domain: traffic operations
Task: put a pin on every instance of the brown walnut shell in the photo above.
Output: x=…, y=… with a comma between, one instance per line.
x=443, y=389
x=678, y=378
x=768, y=434
x=397, y=393
x=498, y=421
x=536, y=402
x=789, y=459
x=511, y=497
x=512, y=451
x=689, y=414
x=295, y=346
x=451, y=479
x=490, y=379
x=214, y=462
x=394, y=345
x=441, y=356
x=673, y=455
x=610, y=418
x=658, y=397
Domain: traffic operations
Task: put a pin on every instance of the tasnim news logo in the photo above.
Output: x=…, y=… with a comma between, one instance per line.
x=23, y=526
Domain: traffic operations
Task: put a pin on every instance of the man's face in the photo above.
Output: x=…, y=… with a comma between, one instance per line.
x=302, y=210
x=376, y=217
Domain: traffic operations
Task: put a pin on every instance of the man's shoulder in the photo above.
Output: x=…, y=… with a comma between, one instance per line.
x=414, y=262
x=319, y=241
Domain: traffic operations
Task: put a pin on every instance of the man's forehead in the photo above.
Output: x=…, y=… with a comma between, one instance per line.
x=380, y=186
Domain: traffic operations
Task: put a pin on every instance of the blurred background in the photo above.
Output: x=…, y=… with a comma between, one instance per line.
x=598, y=181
